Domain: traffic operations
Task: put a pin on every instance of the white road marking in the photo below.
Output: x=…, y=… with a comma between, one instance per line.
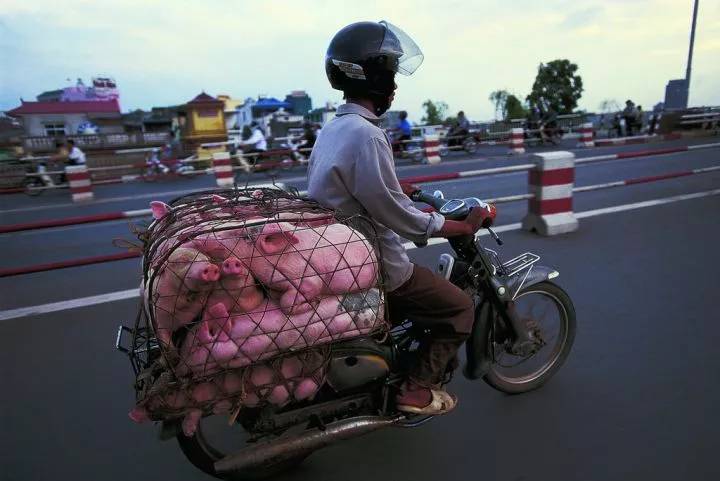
x=71, y=304
x=132, y=293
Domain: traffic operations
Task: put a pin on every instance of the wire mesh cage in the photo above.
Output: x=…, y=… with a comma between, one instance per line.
x=243, y=290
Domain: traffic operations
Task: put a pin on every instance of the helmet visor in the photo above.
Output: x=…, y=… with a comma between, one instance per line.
x=399, y=44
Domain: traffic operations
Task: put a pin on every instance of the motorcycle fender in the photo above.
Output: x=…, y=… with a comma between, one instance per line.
x=477, y=347
x=534, y=275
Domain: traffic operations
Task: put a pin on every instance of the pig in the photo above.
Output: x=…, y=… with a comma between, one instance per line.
x=208, y=345
x=181, y=290
x=304, y=263
x=237, y=290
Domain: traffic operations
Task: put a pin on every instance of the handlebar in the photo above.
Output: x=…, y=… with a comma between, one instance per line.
x=420, y=196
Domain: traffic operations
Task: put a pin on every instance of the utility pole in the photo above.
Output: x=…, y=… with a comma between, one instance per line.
x=690, y=51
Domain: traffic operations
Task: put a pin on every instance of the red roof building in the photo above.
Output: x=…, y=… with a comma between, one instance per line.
x=88, y=107
x=58, y=119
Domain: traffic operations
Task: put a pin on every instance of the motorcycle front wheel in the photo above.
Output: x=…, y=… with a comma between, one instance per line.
x=206, y=447
x=33, y=186
x=550, y=315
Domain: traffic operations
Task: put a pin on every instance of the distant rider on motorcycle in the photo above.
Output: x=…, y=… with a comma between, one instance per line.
x=459, y=131
x=351, y=170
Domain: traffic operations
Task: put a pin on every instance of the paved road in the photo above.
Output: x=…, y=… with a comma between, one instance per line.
x=634, y=401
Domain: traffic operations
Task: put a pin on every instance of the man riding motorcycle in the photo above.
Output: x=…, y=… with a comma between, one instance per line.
x=351, y=170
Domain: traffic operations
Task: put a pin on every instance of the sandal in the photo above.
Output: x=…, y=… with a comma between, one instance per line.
x=441, y=403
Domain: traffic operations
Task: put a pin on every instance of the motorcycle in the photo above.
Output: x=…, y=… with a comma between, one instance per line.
x=156, y=167
x=514, y=347
x=411, y=149
x=466, y=142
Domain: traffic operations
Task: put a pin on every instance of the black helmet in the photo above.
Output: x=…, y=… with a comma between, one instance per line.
x=363, y=57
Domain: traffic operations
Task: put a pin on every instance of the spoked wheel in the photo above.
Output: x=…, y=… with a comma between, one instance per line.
x=33, y=186
x=471, y=146
x=214, y=440
x=550, y=315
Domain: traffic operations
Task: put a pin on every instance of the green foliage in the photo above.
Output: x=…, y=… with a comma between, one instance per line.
x=434, y=112
x=499, y=100
x=514, y=108
x=507, y=105
x=556, y=86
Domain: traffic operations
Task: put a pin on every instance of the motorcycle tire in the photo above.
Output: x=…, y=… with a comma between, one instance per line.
x=526, y=383
x=203, y=456
x=471, y=146
x=33, y=186
x=443, y=150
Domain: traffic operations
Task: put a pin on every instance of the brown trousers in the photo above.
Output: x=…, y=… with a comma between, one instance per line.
x=448, y=312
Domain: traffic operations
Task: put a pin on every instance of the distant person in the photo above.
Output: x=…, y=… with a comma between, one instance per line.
x=256, y=143
x=629, y=115
x=651, y=126
x=460, y=130
x=404, y=130
x=309, y=137
x=639, y=119
x=617, y=125
x=75, y=156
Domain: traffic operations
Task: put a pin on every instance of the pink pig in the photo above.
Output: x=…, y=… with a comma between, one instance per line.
x=180, y=291
x=306, y=262
x=237, y=289
x=208, y=345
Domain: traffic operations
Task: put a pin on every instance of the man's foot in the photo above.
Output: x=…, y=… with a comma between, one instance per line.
x=422, y=400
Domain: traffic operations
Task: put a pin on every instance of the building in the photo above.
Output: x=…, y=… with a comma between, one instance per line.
x=205, y=123
x=59, y=119
x=321, y=115
x=300, y=102
x=676, y=94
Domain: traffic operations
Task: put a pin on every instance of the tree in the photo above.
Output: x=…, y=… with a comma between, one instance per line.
x=499, y=100
x=434, y=112
x=609, y=105
x=507, y=105
x=514, y=108
x=556, y=86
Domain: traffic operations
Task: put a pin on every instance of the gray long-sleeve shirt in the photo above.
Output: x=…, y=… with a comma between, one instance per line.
x=351, y=169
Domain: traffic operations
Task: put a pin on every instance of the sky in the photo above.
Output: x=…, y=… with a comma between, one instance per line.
x=166, y=52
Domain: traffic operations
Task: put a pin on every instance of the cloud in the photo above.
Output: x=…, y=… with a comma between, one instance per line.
x=165, y=52
x=582, y=18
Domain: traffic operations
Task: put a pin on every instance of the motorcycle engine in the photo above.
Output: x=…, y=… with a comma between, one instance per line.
x=356, y=363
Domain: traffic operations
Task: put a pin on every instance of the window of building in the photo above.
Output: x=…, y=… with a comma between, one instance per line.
x=55, y=130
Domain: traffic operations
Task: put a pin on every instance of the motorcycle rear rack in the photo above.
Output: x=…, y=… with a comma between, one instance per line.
x=519, y=263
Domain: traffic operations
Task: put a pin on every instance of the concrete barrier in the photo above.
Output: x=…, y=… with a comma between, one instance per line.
x=222, y=166
x=431, y=145
x=586, y=135
x=79, y=182
x=551, y=183
x=517, y=142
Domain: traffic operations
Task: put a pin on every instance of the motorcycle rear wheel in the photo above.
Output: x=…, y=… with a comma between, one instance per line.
x=556, y=297
x=203, y=455
x=33, y=186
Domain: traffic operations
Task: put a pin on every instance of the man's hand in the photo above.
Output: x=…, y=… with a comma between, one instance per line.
x=409, y=189
x=481, y=217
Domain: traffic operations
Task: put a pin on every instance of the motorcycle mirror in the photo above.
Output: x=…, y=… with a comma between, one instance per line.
x=438, y=194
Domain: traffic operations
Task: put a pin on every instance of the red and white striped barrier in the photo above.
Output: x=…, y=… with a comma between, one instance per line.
x=80, y=183
x=517, y=141
x=431, y=145
x=222, y=165
x=586, y=135
x=551, y=184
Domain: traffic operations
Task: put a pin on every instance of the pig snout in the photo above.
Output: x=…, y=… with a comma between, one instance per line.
x=233, y=267
x=210, y=273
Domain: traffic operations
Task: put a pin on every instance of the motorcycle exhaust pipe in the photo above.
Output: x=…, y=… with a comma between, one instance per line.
x=287, y=447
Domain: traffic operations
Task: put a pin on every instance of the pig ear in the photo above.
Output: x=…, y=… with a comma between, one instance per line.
x=273, y=239
x=159, y=209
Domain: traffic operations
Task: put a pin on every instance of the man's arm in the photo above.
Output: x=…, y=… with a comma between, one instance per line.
x=376, y=187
